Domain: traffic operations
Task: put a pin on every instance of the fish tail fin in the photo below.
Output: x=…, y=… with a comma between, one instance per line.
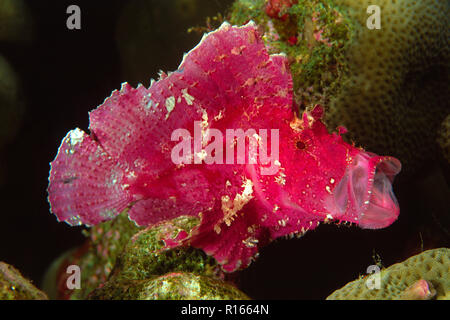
x=85, y=182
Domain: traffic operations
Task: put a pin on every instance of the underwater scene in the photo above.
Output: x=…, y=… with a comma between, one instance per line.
x=225, y=150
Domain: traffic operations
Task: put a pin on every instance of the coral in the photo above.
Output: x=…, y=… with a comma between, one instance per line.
x=396, y=94
x=228, y=82
x=13, y=286
x=172, y=286
x=444, y=138
x=422, y=276
x=389, y=87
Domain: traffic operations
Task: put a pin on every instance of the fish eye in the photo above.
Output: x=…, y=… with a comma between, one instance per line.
x=300, y=145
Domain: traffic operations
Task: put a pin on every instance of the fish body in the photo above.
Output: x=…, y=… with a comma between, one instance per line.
x=218, y=139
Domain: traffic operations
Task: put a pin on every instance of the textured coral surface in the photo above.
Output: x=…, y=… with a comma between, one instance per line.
x=388, y=86
x=397, y=91
x=433, y=266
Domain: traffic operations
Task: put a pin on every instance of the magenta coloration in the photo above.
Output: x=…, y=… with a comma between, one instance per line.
x=228, y=81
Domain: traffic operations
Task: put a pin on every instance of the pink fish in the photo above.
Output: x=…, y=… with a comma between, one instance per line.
x=174, y=149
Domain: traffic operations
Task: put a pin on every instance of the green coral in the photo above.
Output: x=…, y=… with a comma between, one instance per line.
x=13, y=286
x=397, y=280
x=388, y=87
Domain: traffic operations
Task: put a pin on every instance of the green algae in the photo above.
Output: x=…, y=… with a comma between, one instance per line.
x=314, y=37
x=147, y=269
x=145, y=254
x=96, y=258
x=107, y=241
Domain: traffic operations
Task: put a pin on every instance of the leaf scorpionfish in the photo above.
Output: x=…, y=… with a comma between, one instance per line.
x=219, y=107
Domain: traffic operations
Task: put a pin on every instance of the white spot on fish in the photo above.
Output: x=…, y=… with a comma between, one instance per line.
x=202, y=155
x=170, y=104
x=280, y=179
x=75, y=137
x=149, y=103
x=108, y=213
x=328, y=218
x=250, y=242
x=74, y=221
x=230, y=207
x=189, y=99
x=219, y=116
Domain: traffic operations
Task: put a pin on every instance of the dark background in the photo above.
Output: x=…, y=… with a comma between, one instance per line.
x=66, y=73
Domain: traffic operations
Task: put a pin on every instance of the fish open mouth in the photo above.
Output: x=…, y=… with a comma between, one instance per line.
x=364, y=195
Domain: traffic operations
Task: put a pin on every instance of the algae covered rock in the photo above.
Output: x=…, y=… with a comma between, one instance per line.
x=13, y=286
x=423, y=276
x=147, y=254
x=149, y=268
x=123, y=261
x=96, y=258
x=313, y=34
x=172, y=286
x=388, y=86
